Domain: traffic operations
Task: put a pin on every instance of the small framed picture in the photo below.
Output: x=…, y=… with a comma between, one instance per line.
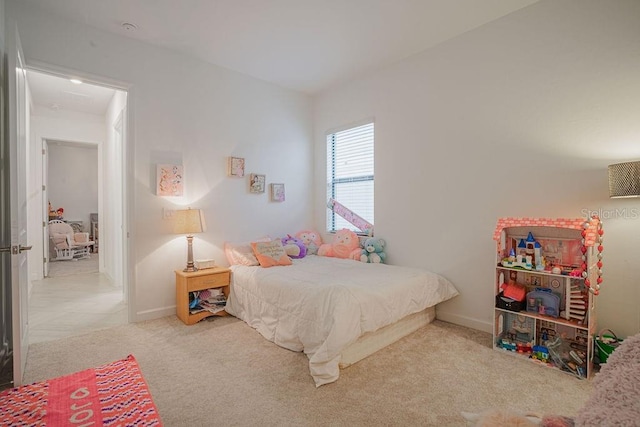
x=256, y=183
x=236, y=166
x=169, y=180
x=277, y=192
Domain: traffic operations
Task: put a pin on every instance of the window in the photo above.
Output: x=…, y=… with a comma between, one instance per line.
x=350, y=174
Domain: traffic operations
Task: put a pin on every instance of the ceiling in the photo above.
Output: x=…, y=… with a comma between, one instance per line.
x=305, y=45
x=59, y=94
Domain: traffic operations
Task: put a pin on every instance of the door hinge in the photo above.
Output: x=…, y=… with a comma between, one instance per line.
x=43, y=151
x=44, y=259
x=44, y=224
x=44, y=187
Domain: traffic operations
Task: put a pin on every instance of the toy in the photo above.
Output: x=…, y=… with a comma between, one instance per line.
x=294, y=247
x=540, y=353
x=311, y=240
x=373, y=250
x=345, y=245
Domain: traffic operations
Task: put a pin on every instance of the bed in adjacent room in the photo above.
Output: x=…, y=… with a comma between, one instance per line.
x=337, y=311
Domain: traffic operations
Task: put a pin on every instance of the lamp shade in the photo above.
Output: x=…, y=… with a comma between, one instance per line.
x=189, y=221
x=624, y=180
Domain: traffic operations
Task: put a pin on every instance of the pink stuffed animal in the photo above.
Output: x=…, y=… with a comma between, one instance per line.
x=311, y=240
x=345, y=245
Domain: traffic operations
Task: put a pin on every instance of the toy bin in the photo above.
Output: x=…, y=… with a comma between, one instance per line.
x=606, y=342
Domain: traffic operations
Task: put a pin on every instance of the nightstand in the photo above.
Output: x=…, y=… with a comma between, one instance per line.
x=210, y=278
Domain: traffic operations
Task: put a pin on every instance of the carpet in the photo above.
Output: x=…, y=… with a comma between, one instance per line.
x=222, y=371
x=110, y=395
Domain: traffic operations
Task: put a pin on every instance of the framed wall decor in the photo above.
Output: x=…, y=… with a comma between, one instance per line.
x=169, y=180
x=256, y=183
x=236, y=166
x=277, y=192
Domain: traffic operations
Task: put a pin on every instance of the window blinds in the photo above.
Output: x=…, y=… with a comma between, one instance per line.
x=350, y=155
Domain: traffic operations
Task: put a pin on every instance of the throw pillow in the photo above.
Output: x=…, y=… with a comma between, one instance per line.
x=270, y=253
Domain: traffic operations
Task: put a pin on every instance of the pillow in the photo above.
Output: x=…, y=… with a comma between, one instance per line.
x=270, y=253
x=60, y=240
x=311, y=240
x=240, y=254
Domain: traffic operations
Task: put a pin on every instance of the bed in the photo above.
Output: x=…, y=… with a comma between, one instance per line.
x=337, y=311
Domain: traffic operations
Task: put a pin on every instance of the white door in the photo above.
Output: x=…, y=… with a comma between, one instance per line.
x=6, y=342
x=45, y=207
x=17, y=109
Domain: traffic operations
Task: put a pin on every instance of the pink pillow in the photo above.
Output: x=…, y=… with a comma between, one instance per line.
x=240, y=254
x=270, y=253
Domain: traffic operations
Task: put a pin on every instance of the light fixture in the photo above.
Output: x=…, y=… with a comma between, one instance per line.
x=624, y=180
x=76, y=81
x=189, y=221
x=128, y=26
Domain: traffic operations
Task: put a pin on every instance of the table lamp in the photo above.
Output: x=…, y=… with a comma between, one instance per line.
x=624, y=180
x=189, y=221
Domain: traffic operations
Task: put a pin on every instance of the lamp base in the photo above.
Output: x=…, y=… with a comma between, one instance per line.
x=190, y=265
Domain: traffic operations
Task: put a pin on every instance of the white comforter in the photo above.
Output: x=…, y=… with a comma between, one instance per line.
x=321, y=305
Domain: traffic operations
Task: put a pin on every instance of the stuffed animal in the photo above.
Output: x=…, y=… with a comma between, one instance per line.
x=294, y=247
x=345, y=245
x=373, y=250
x=311, y=240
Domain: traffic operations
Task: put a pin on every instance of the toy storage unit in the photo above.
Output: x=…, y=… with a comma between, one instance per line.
x=548, y=272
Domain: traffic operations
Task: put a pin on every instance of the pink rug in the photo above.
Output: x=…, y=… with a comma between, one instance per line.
x=115, y=394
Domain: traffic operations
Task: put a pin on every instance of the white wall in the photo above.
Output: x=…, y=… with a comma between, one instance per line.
x=58, y=125
x=519, y=117
x=73, y=181
x=199, y=114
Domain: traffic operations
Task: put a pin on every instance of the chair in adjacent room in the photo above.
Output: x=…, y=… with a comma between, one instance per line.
x=68, y=244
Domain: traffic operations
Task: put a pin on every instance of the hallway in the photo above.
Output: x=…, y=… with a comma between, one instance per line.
x=68, y=305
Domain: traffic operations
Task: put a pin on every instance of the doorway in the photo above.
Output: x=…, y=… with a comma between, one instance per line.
x=70, y=191
x=80, y=129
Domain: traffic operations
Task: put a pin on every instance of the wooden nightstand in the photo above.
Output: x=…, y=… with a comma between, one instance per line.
x=186, y=282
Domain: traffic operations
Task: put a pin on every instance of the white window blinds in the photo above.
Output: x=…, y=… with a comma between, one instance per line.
x=350, y=174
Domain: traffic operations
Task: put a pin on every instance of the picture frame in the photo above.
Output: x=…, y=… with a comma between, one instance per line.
x=169, y=180
x=277, y=193
x=256, y=183
x=236, y=167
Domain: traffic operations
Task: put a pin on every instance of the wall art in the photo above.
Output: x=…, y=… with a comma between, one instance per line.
x=256, y=183
x=236, y=166
x=170, y=180
x=277, y=192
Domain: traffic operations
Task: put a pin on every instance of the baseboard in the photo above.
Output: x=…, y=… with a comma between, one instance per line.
x=156, y=313
x=468, y=322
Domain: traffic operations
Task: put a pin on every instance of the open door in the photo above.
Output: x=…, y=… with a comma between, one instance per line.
x=45, y=207
x=14, y=171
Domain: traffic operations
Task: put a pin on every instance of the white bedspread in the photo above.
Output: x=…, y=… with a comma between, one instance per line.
x=321, y=305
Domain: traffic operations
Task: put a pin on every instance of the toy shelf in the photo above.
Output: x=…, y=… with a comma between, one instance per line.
x=547, y=274
x=560, y=321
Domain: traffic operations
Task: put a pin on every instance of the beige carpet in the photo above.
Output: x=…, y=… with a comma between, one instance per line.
x=73, y=266
x=222, y=372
